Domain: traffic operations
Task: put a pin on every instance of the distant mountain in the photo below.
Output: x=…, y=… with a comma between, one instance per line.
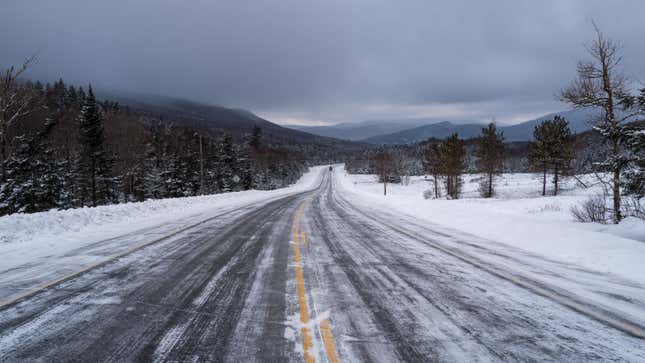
x=216, y=119
x=579, y=121
x=364, y=129
x=439, y=130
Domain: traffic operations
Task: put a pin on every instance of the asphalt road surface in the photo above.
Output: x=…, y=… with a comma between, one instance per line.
x=311, y=277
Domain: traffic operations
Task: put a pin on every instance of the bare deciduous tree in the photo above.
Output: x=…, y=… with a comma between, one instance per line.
x=14, y=104
x=601, y=85
x=384, y=168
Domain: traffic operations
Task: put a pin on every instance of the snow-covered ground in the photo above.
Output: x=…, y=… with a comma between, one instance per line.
x=41, y=247
x=520, y=217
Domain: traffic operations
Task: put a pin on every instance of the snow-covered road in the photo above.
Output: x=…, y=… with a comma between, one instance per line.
x=321, y=275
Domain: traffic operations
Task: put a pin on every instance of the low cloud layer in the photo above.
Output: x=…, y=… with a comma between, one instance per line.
x=329, y=61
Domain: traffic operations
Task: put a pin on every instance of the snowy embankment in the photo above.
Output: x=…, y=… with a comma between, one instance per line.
x=520, y=217
x=32, y=238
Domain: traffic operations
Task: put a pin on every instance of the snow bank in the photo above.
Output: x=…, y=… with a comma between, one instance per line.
x=57, y=230
x=519, y=216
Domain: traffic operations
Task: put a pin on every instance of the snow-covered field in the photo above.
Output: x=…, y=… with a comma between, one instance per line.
x=42, y=246
x=520, y=217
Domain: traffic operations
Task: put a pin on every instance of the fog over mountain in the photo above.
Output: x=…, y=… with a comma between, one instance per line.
x=313, y=63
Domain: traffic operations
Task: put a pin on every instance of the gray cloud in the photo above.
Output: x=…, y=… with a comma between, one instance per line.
x=330, y=60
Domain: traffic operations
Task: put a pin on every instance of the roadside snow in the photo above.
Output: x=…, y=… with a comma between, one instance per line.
x=519, y=216
x=106, y=221
x=42, y=246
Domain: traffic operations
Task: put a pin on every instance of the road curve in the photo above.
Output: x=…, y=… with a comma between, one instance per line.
x=308, y=277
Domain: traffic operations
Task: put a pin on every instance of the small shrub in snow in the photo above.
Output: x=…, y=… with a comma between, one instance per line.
x=549, y=207
x=634, y=207
x=593, y=209
x=428, y=194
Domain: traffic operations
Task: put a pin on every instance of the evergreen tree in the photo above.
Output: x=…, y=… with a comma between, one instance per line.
x=634, y=170
x=17, y=192
x=81, y=95
x=432, y=164
x=93, y=165
x=245, y=166
x=490, y=157
x=70, y=96
x=36, y=181
x=633, y=181
x=540, y=152
x=552, y=149
x=453, y=158
x=562, y=149
x=256, y=138
x=153, y=183
x=183, y=175
x=40, y=89
x=228, y=176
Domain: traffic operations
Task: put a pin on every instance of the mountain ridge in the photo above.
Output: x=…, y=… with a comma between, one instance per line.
x=579, y=120
x=216, y=119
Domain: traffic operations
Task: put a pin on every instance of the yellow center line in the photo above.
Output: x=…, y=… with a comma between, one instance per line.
x=328, y=341
x=325, y=329
x=307, y=338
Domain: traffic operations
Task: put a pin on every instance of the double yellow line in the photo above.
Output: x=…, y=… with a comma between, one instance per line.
x=325, y=329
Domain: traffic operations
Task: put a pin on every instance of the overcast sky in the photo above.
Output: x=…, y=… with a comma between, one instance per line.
x=299, y=61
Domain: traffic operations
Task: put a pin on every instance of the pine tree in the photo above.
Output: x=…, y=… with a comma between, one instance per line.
x=432, y=164
x=153, y=183
x=490, y=157
x=633, y=181
x=245, y=166
x=453, y=158
x=227, y=165
x=562, y=149
x=540, y=152
x=256, y=138
x=16, y=193
x=634, y=170
x=93, y=165
x=183, y=176
x=81, y=95
x=36, y=181
x=552, y=149
x=70, y=96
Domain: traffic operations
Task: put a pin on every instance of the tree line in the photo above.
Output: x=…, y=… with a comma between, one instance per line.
x=618, y=137
x=60, y=148
x=551, y=153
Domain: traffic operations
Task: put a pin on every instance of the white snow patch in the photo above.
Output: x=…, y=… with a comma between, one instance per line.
x=41, y=247
x=518, y=216
x=61, y=226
